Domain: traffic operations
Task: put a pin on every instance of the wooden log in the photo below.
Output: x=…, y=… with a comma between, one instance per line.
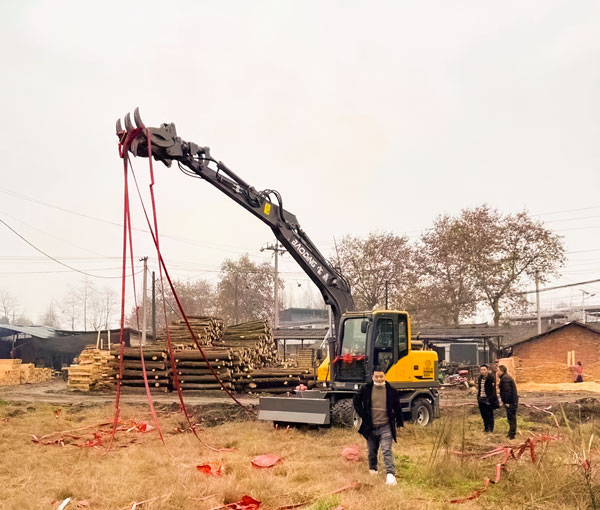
x=202, y=378
x=205, y=386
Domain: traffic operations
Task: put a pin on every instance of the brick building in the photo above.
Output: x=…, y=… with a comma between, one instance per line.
x=544, y=358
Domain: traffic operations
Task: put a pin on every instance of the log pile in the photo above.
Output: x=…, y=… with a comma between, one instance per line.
x=193, y=373
x=252, y=343
x=208, y=330
x=272, y=380
x=157, y=369
x=92, y=371
x=10, y=372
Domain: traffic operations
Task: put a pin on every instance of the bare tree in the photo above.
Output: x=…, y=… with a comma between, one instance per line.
x=8, y=306
x=69, y=308
x=378, y=265
x=447, y=289
x=50, y=316
x=245, y=290
x=506, y=252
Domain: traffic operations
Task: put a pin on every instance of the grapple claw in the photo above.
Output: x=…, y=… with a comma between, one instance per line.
x=128, y=124
x=137, y=118
x=119, y=127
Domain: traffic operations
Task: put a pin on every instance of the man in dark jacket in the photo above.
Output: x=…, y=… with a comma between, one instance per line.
x=487, y=397
x=510, y=400
x=378, y=405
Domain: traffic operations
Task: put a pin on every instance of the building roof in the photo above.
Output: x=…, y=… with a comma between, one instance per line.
x=594, y=329
x=35, y=331
x=300, y=334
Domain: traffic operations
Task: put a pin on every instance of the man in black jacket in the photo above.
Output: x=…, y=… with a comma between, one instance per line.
x=487, y=397
x=378, y=405
x=510, y=400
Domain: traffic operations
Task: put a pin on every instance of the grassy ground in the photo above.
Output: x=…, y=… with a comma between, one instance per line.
x=430, y=473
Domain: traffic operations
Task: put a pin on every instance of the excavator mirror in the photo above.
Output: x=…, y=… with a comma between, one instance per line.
x=363, y=326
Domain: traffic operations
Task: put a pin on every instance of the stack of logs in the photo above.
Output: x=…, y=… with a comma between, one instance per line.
x=208, y=330
x=157, y=367
x=243, y=356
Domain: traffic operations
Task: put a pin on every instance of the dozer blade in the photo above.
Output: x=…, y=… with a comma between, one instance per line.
x=314, y=411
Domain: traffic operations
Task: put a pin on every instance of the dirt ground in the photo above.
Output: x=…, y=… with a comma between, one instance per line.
x=56, y=392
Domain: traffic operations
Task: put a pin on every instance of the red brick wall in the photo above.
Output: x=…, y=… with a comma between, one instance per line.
x=545, y=359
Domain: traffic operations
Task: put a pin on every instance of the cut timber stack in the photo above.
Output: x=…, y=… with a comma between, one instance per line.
x=193, y=373
x=272, y=380
x=208, y=330
x=29, y=374
x=252, y=343
x=10, y=372
x=92, y=372
x=157, y=370
x=306, y=358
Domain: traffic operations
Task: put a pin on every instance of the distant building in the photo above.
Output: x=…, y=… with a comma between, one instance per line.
x=544, y=358
x=306, y=317
x=49, y=347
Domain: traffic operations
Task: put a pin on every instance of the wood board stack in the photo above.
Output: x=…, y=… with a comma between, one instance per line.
x=306, y=358
x=30, y=374
x=10, y=372
x=251, y=342
x=92, y=371
x=157, y=368
x=208, y=330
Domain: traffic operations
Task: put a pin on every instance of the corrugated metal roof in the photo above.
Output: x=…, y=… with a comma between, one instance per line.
x=36, y=331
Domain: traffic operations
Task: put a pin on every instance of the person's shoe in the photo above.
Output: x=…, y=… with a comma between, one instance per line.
x=390, y=479
x=509, y=436
x=372, y=471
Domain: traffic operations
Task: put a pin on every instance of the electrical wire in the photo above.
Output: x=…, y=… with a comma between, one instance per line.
x=51, y=257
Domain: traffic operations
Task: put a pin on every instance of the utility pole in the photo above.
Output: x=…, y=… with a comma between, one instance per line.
x=583, y=294
x=153, y=306
x=537, y=303
x=144, y=300
x=276, y=250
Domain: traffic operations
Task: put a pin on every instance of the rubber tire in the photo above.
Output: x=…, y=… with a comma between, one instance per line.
x=422, y=412
x=344, y=415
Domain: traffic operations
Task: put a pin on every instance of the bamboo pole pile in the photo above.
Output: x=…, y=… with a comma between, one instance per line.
x=208, y=330
x=157, y=367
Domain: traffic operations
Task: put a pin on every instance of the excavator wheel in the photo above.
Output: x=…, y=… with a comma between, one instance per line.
x=422, y=412
x=344, y=415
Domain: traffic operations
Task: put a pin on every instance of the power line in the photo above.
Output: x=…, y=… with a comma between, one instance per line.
x=51, y=257
x=560, y=286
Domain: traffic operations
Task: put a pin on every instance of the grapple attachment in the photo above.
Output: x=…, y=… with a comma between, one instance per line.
x=166, y=145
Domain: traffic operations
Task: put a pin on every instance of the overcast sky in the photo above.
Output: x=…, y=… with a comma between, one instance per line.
x=364, y=115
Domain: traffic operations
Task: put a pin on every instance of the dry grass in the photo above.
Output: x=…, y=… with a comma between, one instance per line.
x=34, y=475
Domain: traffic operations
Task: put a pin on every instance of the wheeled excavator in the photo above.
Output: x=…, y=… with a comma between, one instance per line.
x=360, y=341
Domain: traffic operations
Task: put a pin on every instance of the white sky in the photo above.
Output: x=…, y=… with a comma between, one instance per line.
x=364, y=115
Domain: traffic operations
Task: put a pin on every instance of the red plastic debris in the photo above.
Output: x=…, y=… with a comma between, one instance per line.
x=265, y=461
x=348, y=359
x=246, y=503
x=207, y=469
x=351, y=453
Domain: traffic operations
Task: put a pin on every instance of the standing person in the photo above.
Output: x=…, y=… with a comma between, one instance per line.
x=487, y=397
x=378, y=405
x=510, y=400
x=578, y=372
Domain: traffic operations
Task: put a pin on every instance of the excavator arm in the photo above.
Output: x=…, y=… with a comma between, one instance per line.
x=266, y=205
